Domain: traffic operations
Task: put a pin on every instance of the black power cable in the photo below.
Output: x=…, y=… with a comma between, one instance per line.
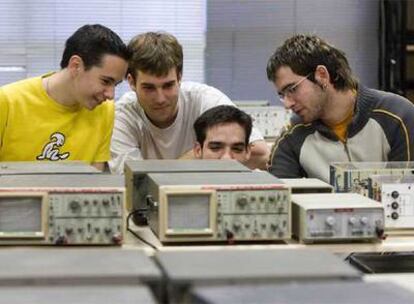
x=134, y=233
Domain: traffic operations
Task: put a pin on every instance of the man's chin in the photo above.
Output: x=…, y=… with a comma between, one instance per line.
x=93, y=104
x=242, y=161
x=90, y=107
x=306, y=119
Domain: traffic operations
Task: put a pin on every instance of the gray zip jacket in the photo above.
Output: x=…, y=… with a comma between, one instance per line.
x=381, y=130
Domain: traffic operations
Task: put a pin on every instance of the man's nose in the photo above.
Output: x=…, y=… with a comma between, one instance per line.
x=109, y=92
x=288, y=102
x=226, y=154
x=160, y=96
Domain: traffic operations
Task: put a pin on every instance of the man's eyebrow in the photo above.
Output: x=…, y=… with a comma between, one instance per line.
x=147, y=84
x=286, y=87
x=110, y=79
x=215, y=143
x=240, y=143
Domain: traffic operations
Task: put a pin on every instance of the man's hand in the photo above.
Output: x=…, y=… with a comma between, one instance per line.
x=259, y=155
x=99, y=166
x=188, y=155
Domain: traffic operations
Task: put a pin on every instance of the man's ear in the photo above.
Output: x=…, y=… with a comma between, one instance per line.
x=198, y=150
x=131, y=82
x=179, y=75
x=322, y=76
x=75, y=65
x=248, y=151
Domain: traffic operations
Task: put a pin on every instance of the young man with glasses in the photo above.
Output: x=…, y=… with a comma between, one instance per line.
x=339, y=118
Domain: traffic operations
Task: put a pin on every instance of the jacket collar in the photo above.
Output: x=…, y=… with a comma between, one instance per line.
x=362, y=112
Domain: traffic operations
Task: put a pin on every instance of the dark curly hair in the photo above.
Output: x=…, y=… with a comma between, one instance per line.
x=303, y=53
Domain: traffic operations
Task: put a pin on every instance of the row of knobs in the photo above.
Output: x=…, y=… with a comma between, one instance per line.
x=330, y=221
x=238, y=225
x=395, y=205
x=69, y=231
x=244, y=199
x=107, y=230
x=63, y=240
x=395, y=215
x=75, y=205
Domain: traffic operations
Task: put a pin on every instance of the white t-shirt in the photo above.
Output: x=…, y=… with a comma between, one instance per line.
x=135, y=137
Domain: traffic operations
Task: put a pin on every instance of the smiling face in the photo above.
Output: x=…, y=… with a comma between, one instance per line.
x=224, y=141
x=97, y=84
x=158, y=96
x=301, y=95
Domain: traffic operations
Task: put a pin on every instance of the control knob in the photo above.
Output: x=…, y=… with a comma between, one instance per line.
x=274, y=226
x=364, y=220
x=242, y=200
x=394, y=194
x=237, y=225
x=352, y=220
x=61, y=240
x=74, y=205
x=330, y=221
x=394, y=215
x=117, y=239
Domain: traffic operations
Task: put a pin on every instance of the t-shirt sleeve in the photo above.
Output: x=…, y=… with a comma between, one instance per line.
x=124, y=144
x=255, y=135
x=4, y=109
x=214, y=98
x=103, y=154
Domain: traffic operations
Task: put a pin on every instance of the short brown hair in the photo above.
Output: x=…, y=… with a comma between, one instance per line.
x=155, y=53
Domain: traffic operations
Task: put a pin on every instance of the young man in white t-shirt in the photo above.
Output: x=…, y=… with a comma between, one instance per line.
x=155, y=120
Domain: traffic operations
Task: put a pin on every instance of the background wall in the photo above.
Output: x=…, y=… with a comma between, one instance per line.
x=33, y=32
x=226, y=42
x=241, y=36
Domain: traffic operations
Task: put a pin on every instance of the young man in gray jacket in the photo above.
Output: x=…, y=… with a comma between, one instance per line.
x=339, y=119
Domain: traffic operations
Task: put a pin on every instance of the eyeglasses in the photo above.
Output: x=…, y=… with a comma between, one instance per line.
x=291, y=89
